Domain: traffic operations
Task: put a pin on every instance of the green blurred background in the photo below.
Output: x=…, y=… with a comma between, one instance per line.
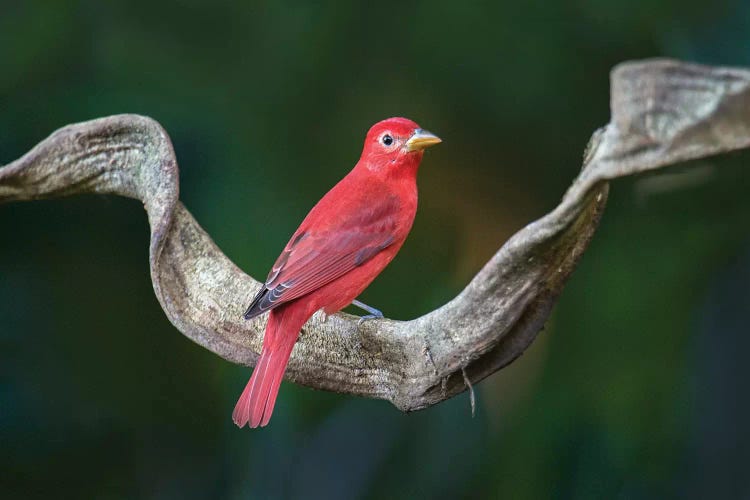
x=636, y=389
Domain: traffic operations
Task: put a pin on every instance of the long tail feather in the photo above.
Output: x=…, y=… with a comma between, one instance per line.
x=241, y=413
x=255, y=405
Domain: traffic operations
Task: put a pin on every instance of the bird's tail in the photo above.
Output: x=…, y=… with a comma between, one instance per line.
x=256, y=403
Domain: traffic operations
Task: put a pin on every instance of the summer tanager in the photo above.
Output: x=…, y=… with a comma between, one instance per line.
x=345, y=241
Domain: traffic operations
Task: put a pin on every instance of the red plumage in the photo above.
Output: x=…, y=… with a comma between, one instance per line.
x=345, y=241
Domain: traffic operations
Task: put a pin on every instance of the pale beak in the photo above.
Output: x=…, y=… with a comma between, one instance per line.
x=421, y=139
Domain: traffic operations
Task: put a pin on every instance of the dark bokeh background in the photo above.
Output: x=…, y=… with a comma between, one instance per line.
x=636, y=389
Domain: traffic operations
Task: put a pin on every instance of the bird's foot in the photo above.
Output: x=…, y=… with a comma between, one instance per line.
x=367, y=317
x=374, y=313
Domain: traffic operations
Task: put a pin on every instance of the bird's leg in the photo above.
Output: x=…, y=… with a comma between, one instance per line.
x=374, y=313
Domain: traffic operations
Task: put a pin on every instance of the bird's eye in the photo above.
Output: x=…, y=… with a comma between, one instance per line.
x=387, y=140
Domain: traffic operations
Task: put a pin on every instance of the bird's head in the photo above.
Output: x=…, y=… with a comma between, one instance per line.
x=396, y=143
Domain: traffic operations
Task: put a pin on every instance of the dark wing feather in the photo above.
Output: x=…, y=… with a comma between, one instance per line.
x=312, y=260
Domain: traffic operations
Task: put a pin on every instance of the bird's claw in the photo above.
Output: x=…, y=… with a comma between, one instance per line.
x=374, y=313
x=367, y=317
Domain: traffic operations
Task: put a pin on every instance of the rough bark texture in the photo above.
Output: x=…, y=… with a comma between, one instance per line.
x=663, y=112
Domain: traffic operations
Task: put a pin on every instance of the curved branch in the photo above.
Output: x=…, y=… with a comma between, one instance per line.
x=663, y=112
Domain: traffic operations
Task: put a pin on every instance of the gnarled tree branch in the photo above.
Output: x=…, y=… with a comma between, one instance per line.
x=663, y=112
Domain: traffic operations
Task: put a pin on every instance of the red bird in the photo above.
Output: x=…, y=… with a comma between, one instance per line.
x=345, y=241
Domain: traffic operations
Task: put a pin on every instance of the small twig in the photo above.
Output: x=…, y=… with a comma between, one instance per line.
x=471, y=392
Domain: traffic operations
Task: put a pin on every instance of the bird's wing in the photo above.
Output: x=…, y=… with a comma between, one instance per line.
x=312, y=259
